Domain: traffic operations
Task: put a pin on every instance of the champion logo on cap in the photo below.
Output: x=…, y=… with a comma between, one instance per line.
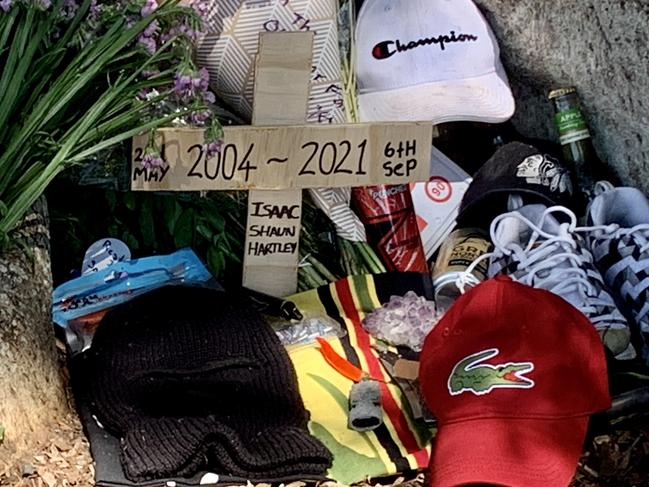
x=470, y=374
x=432, y=60
x=385, y=49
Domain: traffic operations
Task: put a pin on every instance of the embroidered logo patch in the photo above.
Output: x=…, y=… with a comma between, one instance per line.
x=386, y=49
x=546, y=171
x=472, y=375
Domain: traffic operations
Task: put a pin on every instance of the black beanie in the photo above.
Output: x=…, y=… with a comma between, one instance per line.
x=193, y=379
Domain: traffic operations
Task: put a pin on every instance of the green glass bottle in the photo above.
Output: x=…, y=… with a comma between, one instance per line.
x=574, y=136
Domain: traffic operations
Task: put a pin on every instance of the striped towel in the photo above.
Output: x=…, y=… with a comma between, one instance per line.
x=398, y=445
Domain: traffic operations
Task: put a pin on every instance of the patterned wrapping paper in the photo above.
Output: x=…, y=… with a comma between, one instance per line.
x=335, y=203
x=228, y=50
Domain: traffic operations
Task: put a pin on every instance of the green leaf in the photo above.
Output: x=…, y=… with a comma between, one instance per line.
x=113, y=230
x=215, y=261
x=184, y=230
x=130, y=240
x=111, y=199
x=171, y=210
x=3, y=209
x=205, y=232
x=231, y=255
x=2, y=434
x=147, y=227
x=129, y=200
x=215, y=220
x=69, y=93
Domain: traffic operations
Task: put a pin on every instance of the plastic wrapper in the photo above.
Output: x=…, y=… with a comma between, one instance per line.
x=306, y=331
x=80, y=304
x=403, y=320
x=391, y=225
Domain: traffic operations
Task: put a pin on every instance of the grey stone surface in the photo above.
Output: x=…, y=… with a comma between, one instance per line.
x=599, y=46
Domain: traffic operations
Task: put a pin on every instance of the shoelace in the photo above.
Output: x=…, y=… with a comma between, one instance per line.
x=639, y=233
x=542, y=260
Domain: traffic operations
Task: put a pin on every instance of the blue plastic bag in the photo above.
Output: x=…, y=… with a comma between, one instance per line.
x=78, y=305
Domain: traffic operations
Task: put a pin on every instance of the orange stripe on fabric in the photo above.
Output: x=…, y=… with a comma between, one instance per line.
x=390, y=405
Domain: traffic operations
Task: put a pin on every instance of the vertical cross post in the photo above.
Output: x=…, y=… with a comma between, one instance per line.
x=282, y=82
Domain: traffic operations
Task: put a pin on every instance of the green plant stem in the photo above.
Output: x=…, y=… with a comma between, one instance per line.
x=372, y=261
x=37, y=176
x=7, y=21
x=77, y=76
x=328, y=275
x=311, y=278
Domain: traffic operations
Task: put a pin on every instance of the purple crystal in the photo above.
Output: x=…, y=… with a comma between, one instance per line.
x=403, y=320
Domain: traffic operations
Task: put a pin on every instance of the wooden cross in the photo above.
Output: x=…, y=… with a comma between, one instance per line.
x=279, y=155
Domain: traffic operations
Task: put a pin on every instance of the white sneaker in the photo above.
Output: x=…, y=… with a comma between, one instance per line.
x=532, y=247
x=619, y=241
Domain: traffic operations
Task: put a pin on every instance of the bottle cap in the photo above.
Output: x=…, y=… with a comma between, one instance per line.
x=561, y=92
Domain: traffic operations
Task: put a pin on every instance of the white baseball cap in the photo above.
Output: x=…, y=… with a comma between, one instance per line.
x=432, y=60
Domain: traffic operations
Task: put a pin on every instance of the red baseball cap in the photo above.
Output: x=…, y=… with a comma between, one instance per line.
x=512, y=374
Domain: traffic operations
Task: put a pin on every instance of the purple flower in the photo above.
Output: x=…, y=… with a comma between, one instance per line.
x=201, y=7
x=149, y=43
x=69, y=9
x=151, y=29
x=213, y=148
x=182, y=82
x=199, y=118
x=151, y=159
x=6, y=4
x=149, y=7
x=203, y=78
x=190, y=85
x=209, y=97
x=184, y=86
x=179, y=31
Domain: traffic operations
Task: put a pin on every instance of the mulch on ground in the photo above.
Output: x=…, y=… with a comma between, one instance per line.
x=620, y=459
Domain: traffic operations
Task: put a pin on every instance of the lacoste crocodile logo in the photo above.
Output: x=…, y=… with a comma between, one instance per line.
x=472, y=375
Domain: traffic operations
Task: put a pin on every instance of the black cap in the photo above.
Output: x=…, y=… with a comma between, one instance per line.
x=515, y=168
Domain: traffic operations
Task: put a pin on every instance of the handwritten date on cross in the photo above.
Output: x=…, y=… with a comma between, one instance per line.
x=302, y=156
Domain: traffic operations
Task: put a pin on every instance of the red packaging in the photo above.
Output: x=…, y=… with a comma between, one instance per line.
x=389, y=218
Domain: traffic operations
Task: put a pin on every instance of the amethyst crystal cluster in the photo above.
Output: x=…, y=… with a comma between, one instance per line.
x=403, y=320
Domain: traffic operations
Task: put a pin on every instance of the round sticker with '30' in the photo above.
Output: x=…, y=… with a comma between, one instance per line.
x=439, y=189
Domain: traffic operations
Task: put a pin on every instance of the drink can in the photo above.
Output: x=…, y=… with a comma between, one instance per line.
x=456, y=254
x=391, y=224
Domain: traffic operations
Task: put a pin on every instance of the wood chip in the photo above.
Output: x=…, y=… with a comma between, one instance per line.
x=62, y=444
x=49, y=479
